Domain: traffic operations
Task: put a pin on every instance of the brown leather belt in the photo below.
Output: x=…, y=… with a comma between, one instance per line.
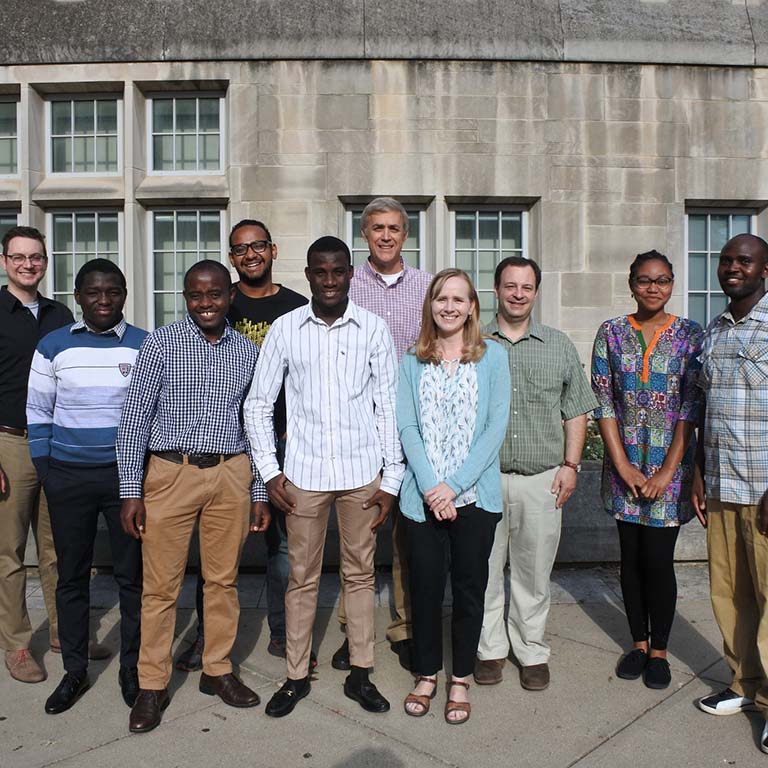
x=13, y=431
x=200, y=460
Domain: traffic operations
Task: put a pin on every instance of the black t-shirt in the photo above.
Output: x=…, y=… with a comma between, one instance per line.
x=253, y=317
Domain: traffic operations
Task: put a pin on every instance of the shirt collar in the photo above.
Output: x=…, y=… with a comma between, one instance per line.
x=116, y=330
x=374, y=275
x=758, y=313
x=192, y=327
x=351, y=314
x=535, y=329
x=10, y=302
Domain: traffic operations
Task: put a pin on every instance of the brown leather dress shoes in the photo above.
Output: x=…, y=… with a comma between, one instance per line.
x=147, y=710
x=229, y=689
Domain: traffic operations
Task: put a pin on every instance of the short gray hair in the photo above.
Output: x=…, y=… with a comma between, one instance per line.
x=383, y=205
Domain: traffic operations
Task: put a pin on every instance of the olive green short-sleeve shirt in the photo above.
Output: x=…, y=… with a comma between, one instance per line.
x=549, y=386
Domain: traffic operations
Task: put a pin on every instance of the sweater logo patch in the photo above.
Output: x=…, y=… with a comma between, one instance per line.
x=124, y=368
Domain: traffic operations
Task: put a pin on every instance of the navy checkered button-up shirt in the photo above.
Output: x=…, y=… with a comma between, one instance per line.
x=186, y=395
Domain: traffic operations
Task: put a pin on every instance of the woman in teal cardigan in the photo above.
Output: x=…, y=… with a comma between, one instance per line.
x=452, y=413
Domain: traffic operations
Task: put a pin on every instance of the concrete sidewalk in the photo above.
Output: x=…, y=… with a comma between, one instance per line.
x=587, y=717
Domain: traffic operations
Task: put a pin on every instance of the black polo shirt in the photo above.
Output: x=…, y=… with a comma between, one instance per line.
x=19, y=333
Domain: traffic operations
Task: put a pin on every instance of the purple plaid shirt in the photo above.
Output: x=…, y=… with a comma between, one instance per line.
x=399, y=305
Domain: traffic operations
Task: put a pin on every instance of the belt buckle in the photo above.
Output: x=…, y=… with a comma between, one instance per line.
x=207, y=460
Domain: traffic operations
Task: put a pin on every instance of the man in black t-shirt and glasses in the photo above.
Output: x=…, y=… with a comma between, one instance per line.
x=257, y=304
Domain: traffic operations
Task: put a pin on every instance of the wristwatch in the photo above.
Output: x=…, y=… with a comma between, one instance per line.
x=575, y=467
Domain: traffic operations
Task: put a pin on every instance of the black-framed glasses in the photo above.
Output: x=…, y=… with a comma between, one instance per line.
x=257, y=246
x=17, y=259
x=662, y=281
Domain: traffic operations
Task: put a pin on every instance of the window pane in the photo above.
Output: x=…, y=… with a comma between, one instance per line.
x=740, y=225
x=108, y=233
x=84, y=154
x=162, y=153
x=7, y=155
x=512, y=231
x=85, y=233
x=487, y=306
x=414, y=232
x=465, y=230
x=186, y=231
x=718, y=232
x=489, y=230
x=8, y=118
x=186, y=117
x=717, y=304
x=697, y=308
x=465, y=260
x=697, y=272
x=63, y=276
x=210, y=232
x=697, y=233
x=186, y=159
x=411, y=258
x=106, y=154
x=165, y=308
x=62, y=155
x=61, y=117
x=165, y=274
x=62, y=232
x=358, y=241
x=184, y=260
x=486, y=268
x=209, y=152
x=163, y=232
x=84, y=118
x=714, y=283
x=162, y=115
x=209, y=114
x=106, y=116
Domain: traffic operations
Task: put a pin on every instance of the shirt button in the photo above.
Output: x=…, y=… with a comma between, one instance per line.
x=514, y=436
x=515, y=413
x=515, y=389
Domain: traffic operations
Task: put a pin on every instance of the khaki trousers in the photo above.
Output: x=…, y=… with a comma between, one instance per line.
x=400, y=626
x=738, y=579
x=23, y=506
x=306, y=541
x=174, y=496
x=527, y=536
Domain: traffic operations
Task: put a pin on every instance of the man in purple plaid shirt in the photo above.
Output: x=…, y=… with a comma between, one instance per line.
x=388, y=287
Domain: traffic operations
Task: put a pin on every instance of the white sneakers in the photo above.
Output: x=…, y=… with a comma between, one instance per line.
x=726, y=703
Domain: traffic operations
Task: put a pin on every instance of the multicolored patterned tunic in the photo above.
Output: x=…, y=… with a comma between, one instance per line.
x=648, y=389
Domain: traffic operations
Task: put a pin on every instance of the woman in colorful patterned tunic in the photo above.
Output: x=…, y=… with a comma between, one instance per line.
x=452, y=413
x=644, y=369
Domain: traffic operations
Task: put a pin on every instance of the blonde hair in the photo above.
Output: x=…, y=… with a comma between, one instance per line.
x=426, y=347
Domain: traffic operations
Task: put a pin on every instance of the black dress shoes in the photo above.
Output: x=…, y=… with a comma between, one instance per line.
x=192, y=659
x=286, y=699
x=340, y=659
x=68, y=691
x=148, y=710
x=229, y=689
x=129, y=684
x=365, y=693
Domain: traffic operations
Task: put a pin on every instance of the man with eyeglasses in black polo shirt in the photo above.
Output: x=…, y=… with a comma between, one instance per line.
x=25, y=317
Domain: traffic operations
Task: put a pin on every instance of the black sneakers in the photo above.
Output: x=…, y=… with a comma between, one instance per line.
x=632, y=664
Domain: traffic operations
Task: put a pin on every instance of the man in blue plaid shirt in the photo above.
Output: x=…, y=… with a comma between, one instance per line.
x=183, y=412
x=732, y=474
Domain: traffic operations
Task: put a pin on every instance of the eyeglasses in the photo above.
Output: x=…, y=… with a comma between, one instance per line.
x=644, y=282
x=17, y=259
x=257, y=246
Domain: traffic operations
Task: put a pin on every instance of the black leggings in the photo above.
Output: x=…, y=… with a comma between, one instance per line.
x=648, y=581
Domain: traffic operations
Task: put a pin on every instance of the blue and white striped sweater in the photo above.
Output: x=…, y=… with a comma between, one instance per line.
x=77, y=386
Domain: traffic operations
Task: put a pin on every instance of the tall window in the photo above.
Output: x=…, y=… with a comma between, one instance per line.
x=413, y=249
x=707, y=234
x=7, y=220
x=482, y=238
x=8, y=139
x=77, y=237
x=84, y=135
x=179, y=239
x=186, y=133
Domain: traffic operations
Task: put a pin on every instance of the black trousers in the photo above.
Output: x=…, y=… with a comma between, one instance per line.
x=648, y=582
x=76, y=495
x=433, y=547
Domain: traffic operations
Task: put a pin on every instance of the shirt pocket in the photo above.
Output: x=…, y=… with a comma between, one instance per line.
x=753, y=365
x=544, y=386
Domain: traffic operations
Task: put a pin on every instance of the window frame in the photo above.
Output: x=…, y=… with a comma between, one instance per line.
x=117, y=97
x=49, y=280
x=708, y=211
x=224, y=249
x=150, y=98
x=524, y=212
x=8, y=212
x=17, y=173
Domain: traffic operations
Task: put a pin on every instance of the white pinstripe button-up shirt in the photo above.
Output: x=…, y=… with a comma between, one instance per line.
x=340, y=386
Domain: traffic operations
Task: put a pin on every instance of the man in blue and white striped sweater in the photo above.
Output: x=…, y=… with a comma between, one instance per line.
x=77, y=385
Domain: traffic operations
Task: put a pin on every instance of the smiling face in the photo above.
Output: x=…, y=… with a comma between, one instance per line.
x=650, y=287
x=252, y=268
x=385, y=232
x=27, y=274
x=516, y=293
x=208, y=295
x=329, y=275
x=101, y=298
x=451, y=305
x=742, y=268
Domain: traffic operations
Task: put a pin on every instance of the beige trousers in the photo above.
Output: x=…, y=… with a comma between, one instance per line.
x=306, y=541
x=23, y=506
x=738, y=585
x=174, y=496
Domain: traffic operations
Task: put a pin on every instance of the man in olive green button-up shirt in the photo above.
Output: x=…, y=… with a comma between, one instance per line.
x=539, y=462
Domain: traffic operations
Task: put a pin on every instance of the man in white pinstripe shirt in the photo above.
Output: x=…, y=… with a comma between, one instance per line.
x=340, y=371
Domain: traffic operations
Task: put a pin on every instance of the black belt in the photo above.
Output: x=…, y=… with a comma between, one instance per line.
x=13, y=431
x=200, y=460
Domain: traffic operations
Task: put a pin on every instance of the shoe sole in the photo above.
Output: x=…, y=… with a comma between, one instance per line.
x=724, y=713
x=163, y=707
x=361, y=702
x=656, y=686
x=210, y=692
x=625, y=676
x=71, y=704
x=529, y=687
x=294, y=702
x=478, y=681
